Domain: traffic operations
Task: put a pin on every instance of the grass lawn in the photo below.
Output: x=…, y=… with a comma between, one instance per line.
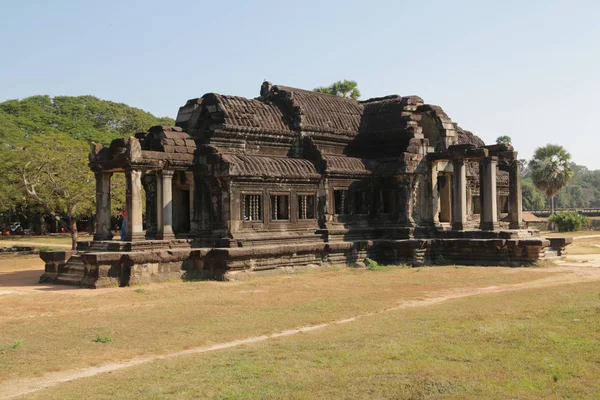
x=528, y=343
x=58, y=327
x=14, y=263
x=569, y=234
x=52, y=239
x=540, y=343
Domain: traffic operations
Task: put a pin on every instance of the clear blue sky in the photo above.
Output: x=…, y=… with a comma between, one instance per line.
x=527, y=69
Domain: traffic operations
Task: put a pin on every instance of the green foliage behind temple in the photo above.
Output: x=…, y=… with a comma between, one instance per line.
x=44, y=141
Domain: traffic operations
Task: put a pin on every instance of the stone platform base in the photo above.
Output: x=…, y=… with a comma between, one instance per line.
x=123, y=268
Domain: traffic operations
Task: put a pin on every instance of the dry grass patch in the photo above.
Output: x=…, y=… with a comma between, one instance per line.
x=59, y=328
x=539, y=343
x=48, y=239
x=15, y=262
x=584, y=246
x=569, y=234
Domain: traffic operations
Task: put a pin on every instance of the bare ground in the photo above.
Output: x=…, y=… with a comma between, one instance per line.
x=569, y=275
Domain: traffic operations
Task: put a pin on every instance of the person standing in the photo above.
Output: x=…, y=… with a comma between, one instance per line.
x=123, y=224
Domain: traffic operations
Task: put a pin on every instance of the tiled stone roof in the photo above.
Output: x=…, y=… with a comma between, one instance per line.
x=247, y=115
x=270, y=167
x=348, y=165
x=322, y=112
x=466, y=137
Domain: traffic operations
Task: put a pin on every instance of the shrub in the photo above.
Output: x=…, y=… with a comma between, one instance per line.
x=569, y=221
x=102, y=339
x=17, y=343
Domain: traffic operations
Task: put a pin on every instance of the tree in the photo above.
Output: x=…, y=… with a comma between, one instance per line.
x=533, y=199
x=56, y=176
x=503, y=140
x=347, y=89
x=33, y=133
x=551, y=170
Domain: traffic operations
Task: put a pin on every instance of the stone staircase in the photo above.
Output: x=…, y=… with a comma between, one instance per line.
x=552, y=255
x=72, y=273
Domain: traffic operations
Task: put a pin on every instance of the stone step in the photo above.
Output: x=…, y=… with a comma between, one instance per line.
x=552, y=255
x=73, y=271
x=69, y=279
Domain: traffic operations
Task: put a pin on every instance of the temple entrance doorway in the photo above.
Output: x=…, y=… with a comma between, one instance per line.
x=445, y=193
x=181, y=204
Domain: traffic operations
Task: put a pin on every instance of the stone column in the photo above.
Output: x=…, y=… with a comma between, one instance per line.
x=435, y=195
x=134, y=230
x=165, y=227
x=515, y=200
x=149, y=183
x=103, y=231
x=487, y=189
x=159, y=205
x=459, y=191
x=193, y=217
x=406, y=189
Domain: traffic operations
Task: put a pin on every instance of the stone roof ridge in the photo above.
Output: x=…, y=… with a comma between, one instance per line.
x=468, y=137
x=321, y=114
x=282, y=88
x=381, y=98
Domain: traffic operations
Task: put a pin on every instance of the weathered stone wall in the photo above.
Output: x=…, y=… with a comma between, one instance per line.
x=105, y=269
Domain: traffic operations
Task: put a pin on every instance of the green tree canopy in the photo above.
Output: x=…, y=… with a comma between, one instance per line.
x=533, y=199
x=345, y=88
x=550, y=170
x=44, y=147
x=503, y=140
x=82, y=118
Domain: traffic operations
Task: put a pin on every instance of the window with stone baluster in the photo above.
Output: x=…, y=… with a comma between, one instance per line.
x=306, y=206
x=340, y=202
x=252, y=207
x=280, y=207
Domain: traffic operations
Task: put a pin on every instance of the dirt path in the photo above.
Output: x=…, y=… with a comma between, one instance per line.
x=586, y=237
x=572, y=275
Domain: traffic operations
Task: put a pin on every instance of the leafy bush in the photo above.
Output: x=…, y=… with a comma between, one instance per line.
x=17, y=343
x=569, y=221
x=372, y=264
x=102, y=339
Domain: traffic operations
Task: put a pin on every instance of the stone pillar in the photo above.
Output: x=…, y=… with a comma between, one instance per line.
x=134, y=230
x=406, y=189
x=149, y=183
x=515, y=200
x=159, y=205
x=103, y=231
x=193, y=217
x=459, y=198
x=487, y=191
x=165, y=227
x=435, y=195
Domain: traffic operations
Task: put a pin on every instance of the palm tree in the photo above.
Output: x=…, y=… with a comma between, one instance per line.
x=345, y=88
x=550, y=170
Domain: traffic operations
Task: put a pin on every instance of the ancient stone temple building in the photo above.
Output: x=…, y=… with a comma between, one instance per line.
x=295, y=178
